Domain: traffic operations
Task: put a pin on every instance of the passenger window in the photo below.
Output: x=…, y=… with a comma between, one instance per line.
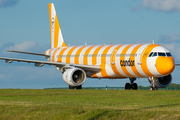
x=168, y=54
x=150, y=54
x=161, y=54
x=155, y=54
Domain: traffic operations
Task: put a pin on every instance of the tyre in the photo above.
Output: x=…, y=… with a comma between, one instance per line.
x=79, y=87
x=153, y=88
x=134, y=86
x=127, y=86
x=71, y=87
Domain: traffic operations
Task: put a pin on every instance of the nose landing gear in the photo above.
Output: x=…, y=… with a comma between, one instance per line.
x=131, y=85
x=153, y=82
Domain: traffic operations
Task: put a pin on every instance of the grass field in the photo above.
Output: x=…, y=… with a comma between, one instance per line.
x=88, y=104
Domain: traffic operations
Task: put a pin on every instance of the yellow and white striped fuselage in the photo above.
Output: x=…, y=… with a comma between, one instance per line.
x=118, y=60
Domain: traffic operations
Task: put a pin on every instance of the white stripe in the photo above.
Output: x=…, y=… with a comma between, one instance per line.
x=138, y=59
x=52, y=54
x=127, y=58
x=57, y=54
x=108, y=67
x=53, y=13
x=74, y=53
x=151, y=61
x=118, y=66
x=60, y=38
x=90, y=53
x=82, y=54
x=65, y=54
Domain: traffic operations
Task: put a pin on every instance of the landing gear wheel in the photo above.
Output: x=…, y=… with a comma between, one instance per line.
x=71, y=87
x=127, y=86
x=134, y=86
x=153, y=88
x=79, y=87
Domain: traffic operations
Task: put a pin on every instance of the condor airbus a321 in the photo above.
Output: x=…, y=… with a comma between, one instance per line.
x=114, y=61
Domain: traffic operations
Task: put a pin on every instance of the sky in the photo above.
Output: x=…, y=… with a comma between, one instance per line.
x=24, y=25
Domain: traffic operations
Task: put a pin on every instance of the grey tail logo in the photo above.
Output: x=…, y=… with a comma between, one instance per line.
x=52, y=23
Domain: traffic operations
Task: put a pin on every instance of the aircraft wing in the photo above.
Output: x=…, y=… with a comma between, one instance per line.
x=90, y=68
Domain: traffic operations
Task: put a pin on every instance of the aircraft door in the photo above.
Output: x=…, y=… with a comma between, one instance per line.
x=113, y=57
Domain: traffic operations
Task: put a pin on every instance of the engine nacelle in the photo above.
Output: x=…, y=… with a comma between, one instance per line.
x=74, y=76
x=162, y=82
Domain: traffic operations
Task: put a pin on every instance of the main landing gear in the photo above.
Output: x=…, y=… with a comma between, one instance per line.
x=131, y=85
x=78, y=87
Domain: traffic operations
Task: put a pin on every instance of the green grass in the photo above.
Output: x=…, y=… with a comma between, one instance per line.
x=88, y=104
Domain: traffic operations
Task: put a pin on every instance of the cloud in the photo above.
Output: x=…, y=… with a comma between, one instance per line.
x=174, y=49
x=19, y=76
x=29, y=46
x=169, y=38
x=170, y=46
x=23, y=46
x=8, y=3
x=162, y=5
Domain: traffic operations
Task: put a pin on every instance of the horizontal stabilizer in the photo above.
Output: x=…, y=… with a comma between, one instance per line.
x=40, y=54
x=177, y=64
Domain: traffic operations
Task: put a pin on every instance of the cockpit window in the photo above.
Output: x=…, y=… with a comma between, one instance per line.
x=161, y=54
x=168, y=54
x=155, y=54
x=150, y=54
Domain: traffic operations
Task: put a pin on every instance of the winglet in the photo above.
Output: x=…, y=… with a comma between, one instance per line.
x=55, y=31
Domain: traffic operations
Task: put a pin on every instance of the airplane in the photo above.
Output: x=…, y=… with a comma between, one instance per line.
x=112, y=61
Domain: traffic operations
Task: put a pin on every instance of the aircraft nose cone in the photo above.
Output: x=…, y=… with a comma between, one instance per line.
x=165, y=65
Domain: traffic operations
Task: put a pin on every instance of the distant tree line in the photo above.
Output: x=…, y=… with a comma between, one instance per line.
x=174, y=85
x=171, y=85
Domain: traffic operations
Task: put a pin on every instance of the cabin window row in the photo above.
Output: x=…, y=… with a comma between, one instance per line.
x=99, y=55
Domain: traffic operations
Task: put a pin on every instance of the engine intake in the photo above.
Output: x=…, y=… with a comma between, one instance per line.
x=74, y=76
x=162, y=81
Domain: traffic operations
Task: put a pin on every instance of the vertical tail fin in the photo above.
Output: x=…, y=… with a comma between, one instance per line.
x=55, y=31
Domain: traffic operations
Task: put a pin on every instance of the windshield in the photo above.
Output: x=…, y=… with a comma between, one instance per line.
x=150, y=54
x=155, y=54
x=161, y=54
x=168, y=54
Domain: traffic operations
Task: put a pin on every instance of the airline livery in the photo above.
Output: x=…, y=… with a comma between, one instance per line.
x=113, y=61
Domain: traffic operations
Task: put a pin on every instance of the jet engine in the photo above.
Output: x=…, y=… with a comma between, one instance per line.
x=161, y=82
x=74, y=76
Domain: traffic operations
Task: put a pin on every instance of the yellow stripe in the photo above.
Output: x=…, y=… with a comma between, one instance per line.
x=94, y=55
x=61, y=54
x=76, y=59
x=113, y=66
x=51, y=50
x=63, y=44
x=53, y=57
x=85, y=60
x=123, y=58
x=103, y=62
x=68, y=58
x=56, y=32
x=144, y=59
x=50, y=22
x=133, y=59
x=94, y=75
